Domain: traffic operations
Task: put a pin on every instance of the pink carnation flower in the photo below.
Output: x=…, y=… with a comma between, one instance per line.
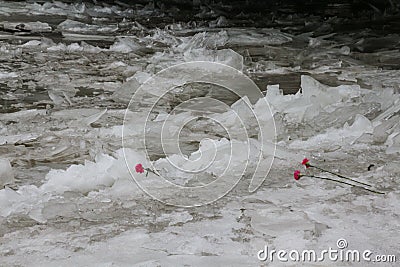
x=306, y=162
x=297, y=174
x=139, y=168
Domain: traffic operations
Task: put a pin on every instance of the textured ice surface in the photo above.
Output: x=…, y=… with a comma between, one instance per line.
x=102, y=208
x=73, y=200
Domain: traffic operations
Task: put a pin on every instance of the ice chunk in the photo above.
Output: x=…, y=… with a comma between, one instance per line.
x=90, y=48
x=204, y=40
x=126, y=91
x=58, y=47
x=387, y=97
x=59, y=87
x=81, y=178
x=125, y=45
x=141, y=76
x=93, y=118
x=332, y=138
x=219, y=22
x=337, y=115
x=5, y=75
x=26, y=26
x=241, y=106
x=6, y=173
x=393, y=143
x=345, y=50
x=7, y=198
x=279, y=101
x=380, y=135
x=384, y=129
x=246, y=116
x=56, y=97
x=325, y=95
x=26, y=201
x=92, y=176
x=74, y=47
x=257, y=37
x=19, y=138
x=293, y=106
x=361, y=125
x=224, y=56
x=123, y=188
x=32, y=43
x=230, y=58
x=389, y=112
x=76, y=26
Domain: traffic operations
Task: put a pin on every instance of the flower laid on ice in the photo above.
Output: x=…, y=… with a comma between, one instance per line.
x=306, y=162
x=139, y=168
x=297, y=174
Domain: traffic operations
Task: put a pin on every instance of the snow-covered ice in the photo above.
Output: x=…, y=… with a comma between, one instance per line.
x=67, y=193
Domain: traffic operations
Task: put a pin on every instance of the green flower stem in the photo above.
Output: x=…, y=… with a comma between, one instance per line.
x=342, y=182
x=339, y=175
x=150, y=170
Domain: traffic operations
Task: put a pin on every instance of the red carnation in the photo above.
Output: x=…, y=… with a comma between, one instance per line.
x=297, y=174
x=139, y=168
x=306, y=162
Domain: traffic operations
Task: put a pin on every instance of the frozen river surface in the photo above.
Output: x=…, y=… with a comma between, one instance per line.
x=67, y=75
